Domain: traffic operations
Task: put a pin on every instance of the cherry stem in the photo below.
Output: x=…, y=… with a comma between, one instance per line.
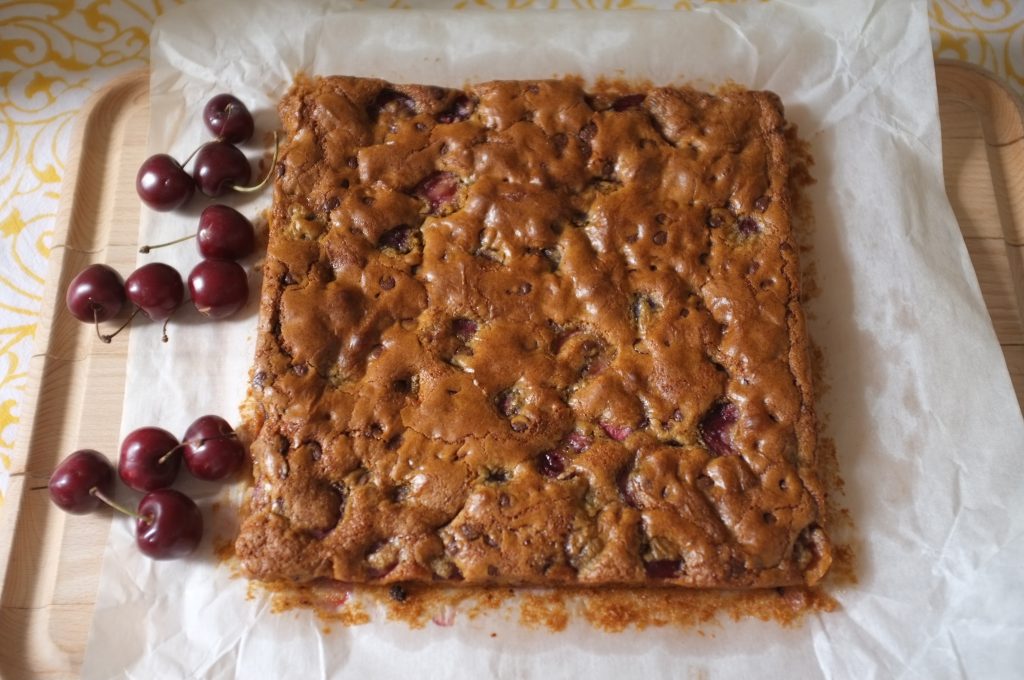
x=146, y=249
x=108, y=338
x=96, y=324
x=270, y=170
x=168, y=320
x=195, y=442
x=185, y=162
x=95, y=491
x=227, y=114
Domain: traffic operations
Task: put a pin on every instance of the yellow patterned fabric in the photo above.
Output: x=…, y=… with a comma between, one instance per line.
x=54, y=54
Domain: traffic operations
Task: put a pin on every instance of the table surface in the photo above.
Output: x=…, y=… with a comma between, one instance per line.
x=54, y=55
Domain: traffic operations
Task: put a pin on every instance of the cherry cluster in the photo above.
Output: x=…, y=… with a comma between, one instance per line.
x=218, y=286
x=162, y=182
x=168, y=524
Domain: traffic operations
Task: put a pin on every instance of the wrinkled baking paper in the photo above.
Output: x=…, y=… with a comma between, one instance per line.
x=929, y=433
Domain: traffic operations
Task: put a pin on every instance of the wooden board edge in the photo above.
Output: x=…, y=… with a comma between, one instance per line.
x=73, y=189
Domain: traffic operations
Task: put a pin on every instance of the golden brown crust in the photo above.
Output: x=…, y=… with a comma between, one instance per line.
x=528, y=334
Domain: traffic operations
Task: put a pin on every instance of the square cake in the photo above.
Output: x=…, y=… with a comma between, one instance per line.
x=529, y=334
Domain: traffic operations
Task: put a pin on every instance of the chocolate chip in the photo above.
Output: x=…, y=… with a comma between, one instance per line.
x=497, y=476
x=762, y=203
x=524, y=288
x=588, y=132
x=397, y=593
x=352, y=162
x=387, y=282
x=316, y=451
x=259, y=380
x=300, y=369
x=331, y=203
x=660, y=238
x=280, y=169
x=559, y=141
x=661, y=218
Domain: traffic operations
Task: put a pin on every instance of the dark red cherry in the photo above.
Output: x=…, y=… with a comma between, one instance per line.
x=579, y=442
x=225, y=234
x=617, y=432
x=628, y=102
x=228, y=119
x=716, y=427
x=96, y=293
x=157, y=289
x=211, y=449
x=747, y=225
x=464, y=329
x=438, y=190
x=663, y=568
x=72, y=483
x=163, y=184
x=144, y=464
x=551, y=463
x=219, y=288
x=169, y=525
x=400, y=239
x=220, y=166
x=460, y=110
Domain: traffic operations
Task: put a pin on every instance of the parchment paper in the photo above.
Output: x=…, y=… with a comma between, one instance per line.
x=928, y=431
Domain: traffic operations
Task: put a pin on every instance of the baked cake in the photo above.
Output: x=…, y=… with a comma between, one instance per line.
x=524, y=333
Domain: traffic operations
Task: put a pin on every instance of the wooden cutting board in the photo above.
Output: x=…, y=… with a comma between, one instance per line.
x=50, y=562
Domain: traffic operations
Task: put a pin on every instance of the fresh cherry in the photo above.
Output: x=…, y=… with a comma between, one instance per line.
x=219, y=288
x=76, y=481
x=220, y=167
x=211, y=449
x=225, y=234
x=228, y=119
x=157, y=289
x=168, y=525
x=163, y=184
x=149, y=459
x=95, y=294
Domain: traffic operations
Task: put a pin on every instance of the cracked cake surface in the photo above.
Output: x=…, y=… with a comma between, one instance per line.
x=528, y=333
